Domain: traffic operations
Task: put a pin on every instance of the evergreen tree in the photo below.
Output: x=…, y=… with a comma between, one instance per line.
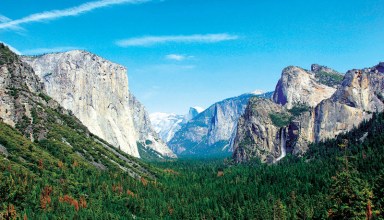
x=378, y=191
x=350, y=196
x=280, y=211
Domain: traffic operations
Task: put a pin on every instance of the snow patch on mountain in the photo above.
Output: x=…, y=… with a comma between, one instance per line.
x=167, y=124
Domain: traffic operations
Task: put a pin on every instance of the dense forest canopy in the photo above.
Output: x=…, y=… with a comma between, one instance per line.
x=340, y=178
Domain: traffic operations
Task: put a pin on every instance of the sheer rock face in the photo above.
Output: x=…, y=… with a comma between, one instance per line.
x=94, y=89
x=359, y=95
x=144, y=130
x=299, y=86
x=256, y=135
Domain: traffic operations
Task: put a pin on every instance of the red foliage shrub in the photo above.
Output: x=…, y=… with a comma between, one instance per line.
x=144, y=181
x=71, y=201
x=45, y=198
x=130, y=193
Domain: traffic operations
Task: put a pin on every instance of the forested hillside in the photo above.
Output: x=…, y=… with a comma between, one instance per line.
x=341, y=178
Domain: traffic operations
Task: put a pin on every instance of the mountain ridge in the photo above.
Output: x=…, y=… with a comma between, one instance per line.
x=210, y=133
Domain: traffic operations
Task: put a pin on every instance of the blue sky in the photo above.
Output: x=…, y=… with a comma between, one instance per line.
x=182, y=53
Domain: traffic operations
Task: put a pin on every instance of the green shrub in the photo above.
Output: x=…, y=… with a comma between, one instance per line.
x=298, y=109
x=45, y=97
x=329, y=79
x=280, y=119
x=6, y=55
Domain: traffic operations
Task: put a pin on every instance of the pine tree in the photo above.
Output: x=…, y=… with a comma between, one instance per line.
x=378, y=192
x=280, y=211
x=350, y=196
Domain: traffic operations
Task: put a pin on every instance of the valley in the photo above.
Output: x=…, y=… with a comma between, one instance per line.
x=191, y=110
x=300, y=152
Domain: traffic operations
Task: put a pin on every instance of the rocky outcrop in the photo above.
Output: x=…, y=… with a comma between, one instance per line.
x=257, y=136
x=297, y=86
x=17, y=84
x=360, y=94
x=356, y=98
x=147, y=137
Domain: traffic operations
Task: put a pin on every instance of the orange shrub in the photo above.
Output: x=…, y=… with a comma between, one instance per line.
x=83, y=202
x=130, y=193
x=45, y=198
x=71, y=201
x=144, y=181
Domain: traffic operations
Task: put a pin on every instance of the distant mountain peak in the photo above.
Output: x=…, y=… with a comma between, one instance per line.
x=198, y=109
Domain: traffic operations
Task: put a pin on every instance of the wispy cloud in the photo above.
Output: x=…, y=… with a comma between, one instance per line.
x=55, y=14
x=177, y=57
x=12, y=48
x=38, y=51
x=196, y=38
x=4, y=19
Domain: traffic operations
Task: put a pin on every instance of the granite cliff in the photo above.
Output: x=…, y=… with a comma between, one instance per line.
x=307, y=107
x=54, y=135
x=96, y=91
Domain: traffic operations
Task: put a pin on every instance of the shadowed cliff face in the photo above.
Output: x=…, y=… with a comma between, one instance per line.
x=328, y=111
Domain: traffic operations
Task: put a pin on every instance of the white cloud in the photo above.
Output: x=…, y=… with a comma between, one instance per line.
x=55, y=14
x=38, y=51
x=4, y=19
x=12, y=48
x=177, y=57
x=196, y=38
